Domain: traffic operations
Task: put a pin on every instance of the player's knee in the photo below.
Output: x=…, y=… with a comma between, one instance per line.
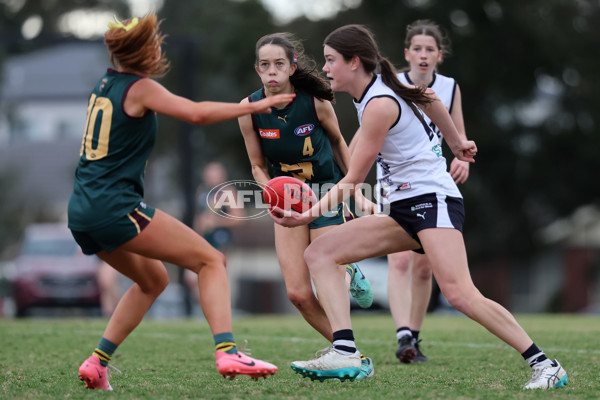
x=461, y=300
x=214, y=259
x=400, y=267
x=456, y=300
x=156, y=283
x=423, y=274
x=312, y=254
x=400, y=262
x=300, y=298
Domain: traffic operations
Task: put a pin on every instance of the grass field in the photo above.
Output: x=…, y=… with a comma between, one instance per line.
x=39, y=359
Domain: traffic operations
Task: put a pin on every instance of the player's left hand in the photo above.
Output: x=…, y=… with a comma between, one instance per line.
x=289, y=218
x=459, y=170
x=466, y=151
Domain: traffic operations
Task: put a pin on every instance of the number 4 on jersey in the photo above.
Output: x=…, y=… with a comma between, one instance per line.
x=308, y=149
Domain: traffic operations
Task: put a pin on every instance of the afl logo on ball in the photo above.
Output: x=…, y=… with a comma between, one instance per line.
x=304, y=130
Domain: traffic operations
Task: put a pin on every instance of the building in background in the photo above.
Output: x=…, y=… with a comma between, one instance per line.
x=43, y=102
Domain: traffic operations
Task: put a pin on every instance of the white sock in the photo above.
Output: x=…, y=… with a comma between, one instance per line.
x=344, y=347
x=403, y=333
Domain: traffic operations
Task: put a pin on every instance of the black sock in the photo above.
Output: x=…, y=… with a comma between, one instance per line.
x=533, y=355
x=343, y=342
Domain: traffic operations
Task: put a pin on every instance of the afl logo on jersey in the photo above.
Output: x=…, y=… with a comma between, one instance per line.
x=304, y=130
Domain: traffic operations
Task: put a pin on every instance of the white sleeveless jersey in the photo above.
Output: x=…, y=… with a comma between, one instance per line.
x=410, y=162
x=444, y=87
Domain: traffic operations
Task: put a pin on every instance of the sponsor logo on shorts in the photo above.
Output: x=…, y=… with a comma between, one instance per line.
x=421, y=206
x=304, y=130
x=269, y=133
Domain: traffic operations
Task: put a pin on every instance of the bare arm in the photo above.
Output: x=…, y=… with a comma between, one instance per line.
x=260, y=171
x=378, y=116
x=329, y=121
x=352, y=145
x=147, y=94
x=459, y=170
x=464, y=150
x=457, y=113
x=341, y=153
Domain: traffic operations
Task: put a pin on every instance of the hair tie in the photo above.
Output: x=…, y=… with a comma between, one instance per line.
x=295, y=59
x=119, y=24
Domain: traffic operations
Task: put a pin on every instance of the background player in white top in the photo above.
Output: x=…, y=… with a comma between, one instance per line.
x=407, y=150
x=409, y=273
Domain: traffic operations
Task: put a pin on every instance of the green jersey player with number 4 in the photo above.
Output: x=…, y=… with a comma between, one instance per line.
x=301, y=139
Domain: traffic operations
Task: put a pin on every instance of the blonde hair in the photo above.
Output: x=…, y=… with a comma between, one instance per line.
x=135, y=49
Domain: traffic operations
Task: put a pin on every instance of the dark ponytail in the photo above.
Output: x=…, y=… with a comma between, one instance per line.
x=307, y=76
x=357, y=40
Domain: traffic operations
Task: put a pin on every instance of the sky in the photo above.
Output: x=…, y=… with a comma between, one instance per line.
x=86, y=25
x=286, y=10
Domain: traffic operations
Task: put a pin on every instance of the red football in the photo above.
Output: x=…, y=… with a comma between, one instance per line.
x=287, y=192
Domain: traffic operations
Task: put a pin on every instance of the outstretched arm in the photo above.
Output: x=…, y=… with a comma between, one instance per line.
x=147, y=94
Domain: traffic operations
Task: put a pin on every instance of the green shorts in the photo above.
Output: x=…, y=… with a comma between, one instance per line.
x=116, y=234
x=344, y=212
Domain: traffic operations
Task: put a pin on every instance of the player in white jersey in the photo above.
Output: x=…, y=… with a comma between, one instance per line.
x=409, y=273
x=426, y=209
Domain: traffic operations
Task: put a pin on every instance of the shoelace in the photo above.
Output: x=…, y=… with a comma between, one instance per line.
x=538, y=372
x=245, y=349
x=110, y=368
x=322, y=352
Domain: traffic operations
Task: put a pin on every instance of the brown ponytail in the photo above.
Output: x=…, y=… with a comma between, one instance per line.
x=357, y=40
x=134, y=49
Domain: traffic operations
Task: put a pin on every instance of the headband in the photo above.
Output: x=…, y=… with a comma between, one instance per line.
x=119, y=24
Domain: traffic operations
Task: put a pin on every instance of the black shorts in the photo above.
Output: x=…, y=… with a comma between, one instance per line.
x=431, y=210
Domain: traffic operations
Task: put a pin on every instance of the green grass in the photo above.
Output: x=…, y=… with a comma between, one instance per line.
x=39, y=359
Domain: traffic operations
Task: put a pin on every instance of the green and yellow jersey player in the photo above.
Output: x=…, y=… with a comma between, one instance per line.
x=301, y=139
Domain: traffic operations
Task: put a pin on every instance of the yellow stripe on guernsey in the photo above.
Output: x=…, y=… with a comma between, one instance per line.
x=225, y=346
x=102, y=355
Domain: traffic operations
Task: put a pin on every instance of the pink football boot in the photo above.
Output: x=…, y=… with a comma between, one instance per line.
x=240, y=364
x=94, y=375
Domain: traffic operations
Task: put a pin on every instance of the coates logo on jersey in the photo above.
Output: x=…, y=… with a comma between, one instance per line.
x=304, y=130
x=269, y=133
